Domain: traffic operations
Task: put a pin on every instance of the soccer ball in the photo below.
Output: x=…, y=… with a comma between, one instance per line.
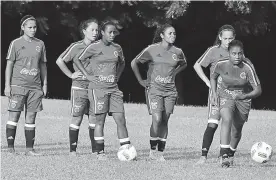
x=127, y=152
x=261, y=152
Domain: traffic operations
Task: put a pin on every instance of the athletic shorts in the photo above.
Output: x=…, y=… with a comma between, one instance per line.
x=79, y=101
x=106, y=101
x=213, y=111
x=31, y=98
x=158, y=101
x=241, y=108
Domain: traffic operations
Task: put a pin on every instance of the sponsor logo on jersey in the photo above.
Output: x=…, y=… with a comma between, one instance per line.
x=116, y=54
x=243, y=75
x=164, y=80
x=110, y=78
x=31, y=72
x=174, y=57
x=153, y=105
x=100, y=105
x=222, y=101
x=37, y=48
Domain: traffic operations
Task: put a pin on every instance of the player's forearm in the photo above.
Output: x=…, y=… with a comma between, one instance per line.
x=180, y=68
x=213, y=82
x=135, y=70
x=8, y=73
x=43, y=71
x=120, y=70
x=257, y=91
x=80, y=67
x=61, y=64
x=200, y=73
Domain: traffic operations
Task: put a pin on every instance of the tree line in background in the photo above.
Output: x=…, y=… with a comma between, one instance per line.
x=196, y=24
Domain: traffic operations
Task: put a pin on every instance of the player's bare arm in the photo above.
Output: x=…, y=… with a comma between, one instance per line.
x=61, y=64
x=43, y=71
x=8, y=74
x=134, y=66
x=120, y=69
x=198, y=69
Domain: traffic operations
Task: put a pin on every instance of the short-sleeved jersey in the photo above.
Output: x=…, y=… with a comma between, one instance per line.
x=104, y=61
x=212, y=55
x=69, y=54
x=27, y=56
x=234, y=79
x=162, y=64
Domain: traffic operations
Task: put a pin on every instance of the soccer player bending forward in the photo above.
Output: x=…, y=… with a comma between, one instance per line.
x=164, y=61
x=107, y=64
x=232, y=97
x=79, y=90
x=26, y=82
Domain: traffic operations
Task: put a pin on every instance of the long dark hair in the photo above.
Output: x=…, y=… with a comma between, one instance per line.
x=24, y=20
x=225, y=27
x=160, y=29
x=84, y=24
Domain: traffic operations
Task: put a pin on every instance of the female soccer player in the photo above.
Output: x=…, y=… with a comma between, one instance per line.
x=165, y=61
x=79, y=90
x=107, y=64
x=225, y=35
x=26, y=82
x=232, y=97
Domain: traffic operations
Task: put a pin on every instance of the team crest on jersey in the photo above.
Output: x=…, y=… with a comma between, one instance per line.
x=219, y=79
x=100, y=105
x=116, y=53
x=243, y=75
x=37, y=48
x=77, y=108
x=13, y=103
x=174, y=56
x=222, y=101
x=153, y=105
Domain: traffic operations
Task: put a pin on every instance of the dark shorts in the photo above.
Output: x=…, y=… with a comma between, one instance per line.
x=31, y=98
x=241, y=108
x=106, y=101
x=80, y=102
x=158, y=101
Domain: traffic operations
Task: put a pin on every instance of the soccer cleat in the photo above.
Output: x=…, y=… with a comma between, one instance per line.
x=152, y=155
x=231, y=160
x=224, y=161
x=101, y=156
x=202, y=160
x=160, y=156
x=32, y=153
x=73, y=153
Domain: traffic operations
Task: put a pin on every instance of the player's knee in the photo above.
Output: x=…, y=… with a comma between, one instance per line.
x=30, y=117
x=157, y=118
x=14, y=116
x=76, y=120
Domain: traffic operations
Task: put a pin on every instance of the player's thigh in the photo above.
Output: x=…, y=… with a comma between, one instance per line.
x=99, y=101
x=155, y=102
x=18, y=99
x=116, y=103
x=34, y=101
x=80, y=102
x=30, y=117
x=169, y=103
x=227, y=109
x=243, y=109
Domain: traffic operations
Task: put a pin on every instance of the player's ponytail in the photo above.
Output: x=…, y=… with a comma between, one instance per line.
x=160, y=30
x=24, y=20
x=225, y=27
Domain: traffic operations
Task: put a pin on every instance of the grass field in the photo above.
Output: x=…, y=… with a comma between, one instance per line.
x=186, y=128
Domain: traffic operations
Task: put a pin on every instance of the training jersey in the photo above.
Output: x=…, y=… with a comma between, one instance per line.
x=234, y=79
x=27, y=56
x=69, y=54
x=161, y=65
x=212, y=55
x=104, y=61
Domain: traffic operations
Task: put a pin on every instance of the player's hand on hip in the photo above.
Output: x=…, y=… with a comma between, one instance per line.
x=93, y=78
x=239, y=96
x=7, y=91
x=76, y=75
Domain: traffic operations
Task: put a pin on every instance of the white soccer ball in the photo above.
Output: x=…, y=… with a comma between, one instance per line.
x=127, y=152
x=261, y=152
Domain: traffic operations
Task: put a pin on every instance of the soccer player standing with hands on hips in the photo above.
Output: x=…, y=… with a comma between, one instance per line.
x=79, y=91
x=232, y=98
x=25, y=83
x=165, y=61
x=225, y=35
x=107, y=64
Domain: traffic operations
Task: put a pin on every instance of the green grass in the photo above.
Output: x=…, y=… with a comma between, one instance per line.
x=186, y=128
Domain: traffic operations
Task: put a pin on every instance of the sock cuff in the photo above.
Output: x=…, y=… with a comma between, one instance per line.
x=224, y=146
x=12, y=123
x=154, y=138
x=92, y=125
x=74, y=126
x=98, y=138
x=124, y=140
x=232, y=149
x=163, y=139
x=30, y=125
